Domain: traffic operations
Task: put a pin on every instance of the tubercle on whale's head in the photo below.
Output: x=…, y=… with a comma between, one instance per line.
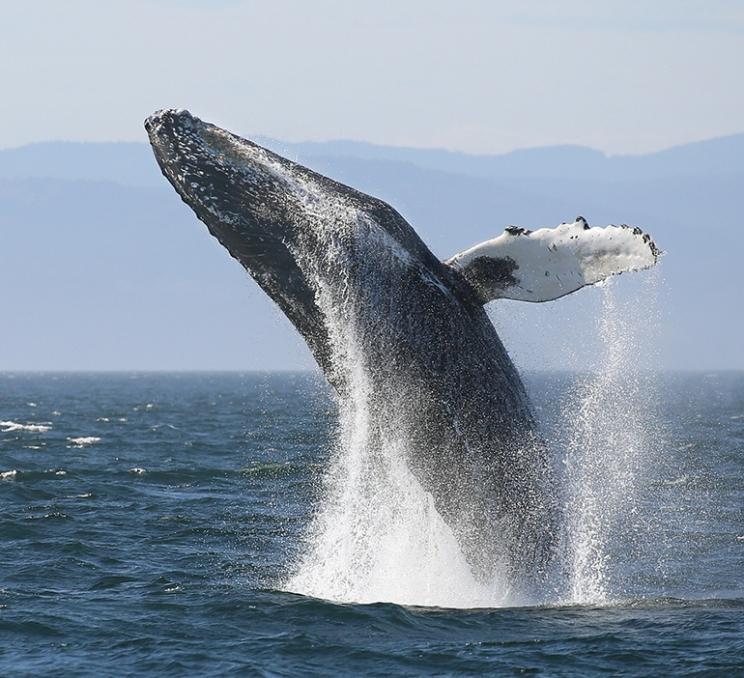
x=243, y=194
x=167, y=127
x=192, y=157
x=241, y=191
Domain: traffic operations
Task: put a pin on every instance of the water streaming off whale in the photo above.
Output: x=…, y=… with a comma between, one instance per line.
x=377, y=535
x=610, y=444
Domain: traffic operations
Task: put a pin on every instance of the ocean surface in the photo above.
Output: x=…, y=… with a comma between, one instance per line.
x=160, y=524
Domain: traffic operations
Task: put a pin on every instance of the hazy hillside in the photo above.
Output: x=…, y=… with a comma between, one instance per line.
x=102, y=266
x=712, y=157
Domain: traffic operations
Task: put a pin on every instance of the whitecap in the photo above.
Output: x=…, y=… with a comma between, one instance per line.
x=9, y=426
x=138, y=471
x=82, y=441
x=8, y=475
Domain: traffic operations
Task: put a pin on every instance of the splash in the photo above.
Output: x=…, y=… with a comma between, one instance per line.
x=376, y=535
x=609, y=445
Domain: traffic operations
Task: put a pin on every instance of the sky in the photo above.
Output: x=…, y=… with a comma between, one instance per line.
x=477, y=76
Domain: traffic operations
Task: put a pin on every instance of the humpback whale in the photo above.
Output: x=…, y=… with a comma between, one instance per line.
x=368, y=296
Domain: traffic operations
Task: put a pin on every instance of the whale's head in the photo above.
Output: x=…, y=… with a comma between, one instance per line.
x=251, y=200
x=296, y=232
x=231, y=183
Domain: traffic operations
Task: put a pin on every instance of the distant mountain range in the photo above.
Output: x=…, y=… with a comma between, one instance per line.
x=102, y=266
x=131, y=163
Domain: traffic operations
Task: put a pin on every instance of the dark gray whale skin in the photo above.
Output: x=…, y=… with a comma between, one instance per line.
x=439, y=377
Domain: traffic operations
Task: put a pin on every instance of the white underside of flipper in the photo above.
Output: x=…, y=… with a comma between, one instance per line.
x=552, y=262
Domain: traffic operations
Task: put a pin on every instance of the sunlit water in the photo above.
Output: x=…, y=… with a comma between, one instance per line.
x=150, y=522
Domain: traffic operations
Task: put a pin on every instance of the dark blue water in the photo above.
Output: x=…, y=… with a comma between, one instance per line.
x=147, y=525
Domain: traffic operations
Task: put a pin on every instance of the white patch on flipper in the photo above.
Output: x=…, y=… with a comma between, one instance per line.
x=551, y=262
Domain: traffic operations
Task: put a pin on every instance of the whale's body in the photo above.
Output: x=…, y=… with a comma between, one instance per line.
x=367, y=294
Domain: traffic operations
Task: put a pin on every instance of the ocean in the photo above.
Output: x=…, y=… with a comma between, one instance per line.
x=178, y=524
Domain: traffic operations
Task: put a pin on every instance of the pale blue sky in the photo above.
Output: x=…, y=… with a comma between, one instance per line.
x=478, y=76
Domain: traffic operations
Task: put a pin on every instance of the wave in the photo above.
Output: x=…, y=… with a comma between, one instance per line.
x=84, y=441
x=10, y=426
x=14, y=474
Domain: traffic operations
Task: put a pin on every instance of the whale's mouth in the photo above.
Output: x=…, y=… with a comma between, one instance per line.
x=225, y=180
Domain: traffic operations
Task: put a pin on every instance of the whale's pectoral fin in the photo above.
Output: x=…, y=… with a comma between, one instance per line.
x=552, y=262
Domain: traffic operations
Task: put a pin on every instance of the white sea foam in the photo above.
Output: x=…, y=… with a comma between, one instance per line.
x=84, y=441
x=378, y=536
x=10, y=426
x=138, y=471
x=8, y=475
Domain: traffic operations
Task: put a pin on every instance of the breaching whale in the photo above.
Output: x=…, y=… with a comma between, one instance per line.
x=367, y=295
